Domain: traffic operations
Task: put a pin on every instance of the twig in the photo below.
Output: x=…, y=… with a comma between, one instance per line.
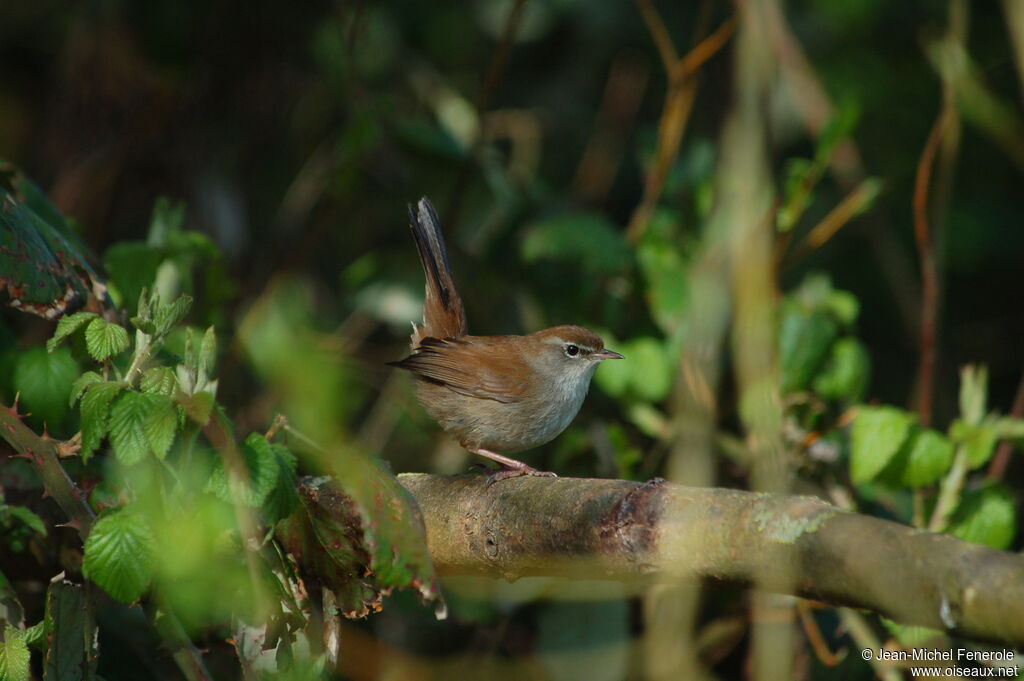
x=997, y=467
x=619, y=530
x=42, y=452
x=845, y=211
x=929, y=268
x=495, y=73
x=675, y=113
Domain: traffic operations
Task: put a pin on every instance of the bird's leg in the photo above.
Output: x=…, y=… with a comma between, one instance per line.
x=510, y=468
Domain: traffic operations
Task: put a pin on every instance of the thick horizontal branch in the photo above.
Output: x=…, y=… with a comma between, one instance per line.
x=620, y=530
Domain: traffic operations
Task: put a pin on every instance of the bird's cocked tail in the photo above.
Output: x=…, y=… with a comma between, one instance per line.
x=443, y=313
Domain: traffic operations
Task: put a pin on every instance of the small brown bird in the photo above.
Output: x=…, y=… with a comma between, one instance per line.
x=493, y=393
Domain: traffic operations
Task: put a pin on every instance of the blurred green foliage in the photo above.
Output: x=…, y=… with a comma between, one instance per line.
x=280, y=277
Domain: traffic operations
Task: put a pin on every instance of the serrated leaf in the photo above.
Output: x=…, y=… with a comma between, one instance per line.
x=67, y=326
x=119, y=555
x=141, y=424
x=104, y=340
x=168, y=316
x=923, y=459
x=146, y=326
x=95, y=411
x=282, y=499
x=876, y=437
x=14, y=656
x=81, y=383
x=44, y=381
x=159, y=381
x=251, y=486
x=70, y=633
x=986, y=516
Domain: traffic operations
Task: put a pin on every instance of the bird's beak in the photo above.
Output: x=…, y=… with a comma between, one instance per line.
x=606, y=354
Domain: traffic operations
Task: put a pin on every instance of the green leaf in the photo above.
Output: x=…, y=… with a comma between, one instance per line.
x=665, y=263
x=44, y=381
x=132, y=266
x=986, y=516
x=923, y=459
x=104, y=340
x=805, y=338
x=70, y=633
x=43, y=268
x=911, y=635
x=28, y=518
x=973, y=393
x=67, y=326
x=844, y=306
x=801, y=175
x=846, y=372
x=197, y=406
x=249, y=487
x=159, y=381
x=650, y=369
x=979, y=441
x=1008, y=428
x=588, y=238
x=168, y=315
x=208, y=352
x=96, y=413
x=141, y=424
x=119, y=555
x=81, y=383
x=877, y=435
x=282, y=499
x=14, y=656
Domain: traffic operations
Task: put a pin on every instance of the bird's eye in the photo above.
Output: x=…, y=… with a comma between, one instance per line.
x=572, y=350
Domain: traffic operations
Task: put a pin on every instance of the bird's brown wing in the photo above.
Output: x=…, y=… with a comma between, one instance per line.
x=471, y=368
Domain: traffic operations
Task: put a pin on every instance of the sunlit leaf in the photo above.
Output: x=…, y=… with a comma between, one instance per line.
x=119, y=554
x=96, y=413
x=81, y=383
x=979, y=441
x=922, y=461
x=14, y=656
x=986, y=516
x=104, y=340
x=159, y=380
x=141, y=424
x=67, y=326
x=876, y=437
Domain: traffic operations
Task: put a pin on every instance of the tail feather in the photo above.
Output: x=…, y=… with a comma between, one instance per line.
x=443, y=313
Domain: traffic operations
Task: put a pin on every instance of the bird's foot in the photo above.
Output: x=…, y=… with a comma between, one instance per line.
x=506, y=472
x=510, y=468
